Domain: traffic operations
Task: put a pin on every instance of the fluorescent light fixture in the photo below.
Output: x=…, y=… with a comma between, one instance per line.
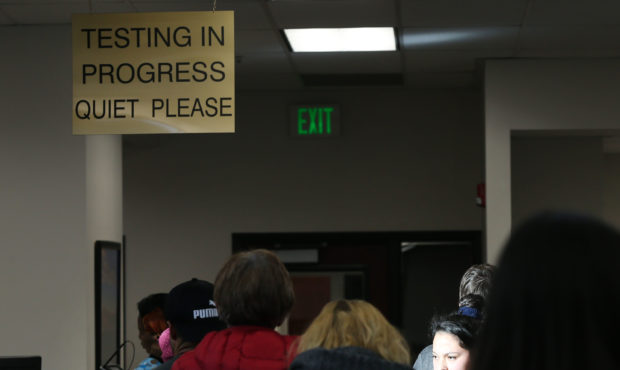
x=341, y=39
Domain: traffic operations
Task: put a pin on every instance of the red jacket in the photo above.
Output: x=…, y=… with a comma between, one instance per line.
x=239, y=348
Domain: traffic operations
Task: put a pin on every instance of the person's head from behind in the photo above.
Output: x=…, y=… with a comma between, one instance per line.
x=254, y=288
x=453, y=339
x=344, y=323
x=191, y=313
x=554, y=303
x=151, y=322
x=477, y=280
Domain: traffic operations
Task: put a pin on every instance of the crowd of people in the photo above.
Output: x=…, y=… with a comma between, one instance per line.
x=551, y=303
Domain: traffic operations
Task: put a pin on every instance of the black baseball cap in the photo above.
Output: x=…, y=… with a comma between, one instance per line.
x=191, y=309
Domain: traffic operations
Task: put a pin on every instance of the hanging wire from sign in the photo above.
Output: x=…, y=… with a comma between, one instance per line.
x=214, y=2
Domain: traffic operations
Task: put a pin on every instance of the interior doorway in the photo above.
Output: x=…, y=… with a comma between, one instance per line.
x=432, y=271
x=408, y=276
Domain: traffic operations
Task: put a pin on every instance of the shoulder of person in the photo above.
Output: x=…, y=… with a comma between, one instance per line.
x=425, y=359
x=186, y=362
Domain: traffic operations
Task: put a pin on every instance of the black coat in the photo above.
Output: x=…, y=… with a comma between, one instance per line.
x=343, y=358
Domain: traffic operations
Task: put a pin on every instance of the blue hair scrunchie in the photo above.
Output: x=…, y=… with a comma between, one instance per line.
x=469, y=311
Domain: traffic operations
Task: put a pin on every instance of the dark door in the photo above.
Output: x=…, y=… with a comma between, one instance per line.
x=407, y=275
x=432, y=272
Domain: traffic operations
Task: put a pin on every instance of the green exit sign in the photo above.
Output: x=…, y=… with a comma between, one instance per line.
x=315, y=120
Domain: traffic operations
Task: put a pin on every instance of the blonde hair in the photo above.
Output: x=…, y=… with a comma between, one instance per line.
x=355, y=323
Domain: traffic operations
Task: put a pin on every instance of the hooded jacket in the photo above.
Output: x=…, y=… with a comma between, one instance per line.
x=239, y=348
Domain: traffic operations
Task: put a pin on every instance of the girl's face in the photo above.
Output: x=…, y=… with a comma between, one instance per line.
x=148, y=340
x=448, y=354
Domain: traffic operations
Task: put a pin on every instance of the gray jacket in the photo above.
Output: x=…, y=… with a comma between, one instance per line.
x=425, y=359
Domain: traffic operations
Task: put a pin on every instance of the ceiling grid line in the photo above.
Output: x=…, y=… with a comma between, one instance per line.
x=276, y=30
x=401, y=42
x=522, y=24
x=7, y=16
x=132, y=5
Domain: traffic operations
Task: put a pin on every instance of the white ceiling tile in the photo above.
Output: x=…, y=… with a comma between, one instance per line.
x=569, y=53
x=457, y=13
x=351, y=63
x=44, y=13
x=447, y=80
x=262, y=82
x=39, y=2
x=570, y=37
x=4, y=18
x=459, y=38
x=269, y=63
x=454, y=61
x=266, y=71
x=258, y=41
x=206, y=3
x=574, y=12
x=170, y=6
x=248, y=14
x=333, y=14
x=113, y=7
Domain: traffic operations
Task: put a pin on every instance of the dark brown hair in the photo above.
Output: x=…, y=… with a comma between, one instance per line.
x=254, y=288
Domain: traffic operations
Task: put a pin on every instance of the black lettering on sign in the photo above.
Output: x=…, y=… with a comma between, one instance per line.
x=163, y=72
x=191, y=107
x=150, y=37
x=103, y=35
x=181, y=72
x=218, y=74
x=88, y=31
x=210, y=34
x=105, y=108
x=122, y=37
x=201, y=71
x=225, y=106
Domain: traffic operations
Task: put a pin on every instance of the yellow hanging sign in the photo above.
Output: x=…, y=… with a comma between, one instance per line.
x=140, y=73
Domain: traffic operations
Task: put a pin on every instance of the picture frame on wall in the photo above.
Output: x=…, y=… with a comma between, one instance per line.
x=108, y=264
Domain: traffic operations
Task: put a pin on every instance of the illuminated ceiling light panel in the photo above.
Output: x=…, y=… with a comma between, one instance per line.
x=341, y=39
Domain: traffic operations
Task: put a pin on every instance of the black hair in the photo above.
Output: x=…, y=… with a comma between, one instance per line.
x=555, y=298
x=464, y=327
x=473, y=301
x=151, y=302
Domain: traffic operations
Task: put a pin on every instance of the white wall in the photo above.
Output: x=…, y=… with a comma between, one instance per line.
x=44, y=260
x=611, y=189
x=104, y=214
x=539, y=95
x=562, y=173
x=405, y=161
